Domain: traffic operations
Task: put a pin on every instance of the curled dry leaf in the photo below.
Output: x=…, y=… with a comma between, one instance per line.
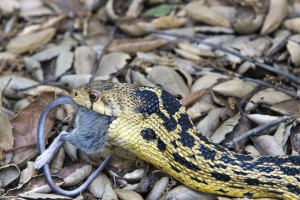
x=169, y=79
x=27, y=173
x=79, y=175
x=135, y=45
x=201, y=13
x=30, y=42
x=276, y=13
x=98, y=186
x=84, y=60
x=128, y=195
x=25, y=127
x=158, y=189
x=261, y=119
x=267, y=145
x=268, y=96
x=219, y=135
x=135, y=175
x=15, y=83
x=292, y=24
x=234, y=88
x=294, y=49
x=184, y=193
x=213, y=119
x=8, y=174
x=112, y=63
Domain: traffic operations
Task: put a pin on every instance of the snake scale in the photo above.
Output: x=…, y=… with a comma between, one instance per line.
x=153, y=124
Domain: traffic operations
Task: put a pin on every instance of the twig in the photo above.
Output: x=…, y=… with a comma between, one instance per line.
x=232, y=52
x=290, y=93
x=257, y=130
x=100, y=56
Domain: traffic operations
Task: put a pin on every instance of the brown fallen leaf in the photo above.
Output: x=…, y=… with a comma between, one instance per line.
x=67, y=6
x=135, y=45
x=288, y=107
x=25, y=127
x=192, y=97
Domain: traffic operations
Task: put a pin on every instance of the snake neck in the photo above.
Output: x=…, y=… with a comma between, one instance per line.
x=163, y=135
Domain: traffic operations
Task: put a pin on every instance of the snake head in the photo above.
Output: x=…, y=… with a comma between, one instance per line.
x=107, y=98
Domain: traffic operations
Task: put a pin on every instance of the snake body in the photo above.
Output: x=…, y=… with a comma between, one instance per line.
x=153, y=124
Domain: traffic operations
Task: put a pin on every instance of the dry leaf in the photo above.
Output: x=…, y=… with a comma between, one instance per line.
x=234, y=88
x=135, y=45
x=277, y=12
x=79, y=175
x=84, y=60
x=294, y=49
x=30, y=42
x=204, y=14
x=158, y=189
x=34, y=68
x=128, y=195
x=25, y=127
x=109, y=193
x=289, y=107
x=268, y=146
x=219, y=135
x=67, y=6
x=6, y=134
x=112, y=63
x=51, y=52
x=169, y=79
x=63, y=63
x=182, y=193
x=214, y=119
x=168, y=22
x=268, y=96
x=292, y=24
x=15, y=84
x=206, y=81
x=192, y=97
x=8, y=174
x=97, y=187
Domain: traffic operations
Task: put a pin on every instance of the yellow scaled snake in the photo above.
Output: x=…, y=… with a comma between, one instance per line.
x=153, y=124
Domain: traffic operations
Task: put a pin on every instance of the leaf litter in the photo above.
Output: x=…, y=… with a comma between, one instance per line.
x=235, y=66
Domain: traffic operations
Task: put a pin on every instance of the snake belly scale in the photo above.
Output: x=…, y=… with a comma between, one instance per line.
x=153, y=124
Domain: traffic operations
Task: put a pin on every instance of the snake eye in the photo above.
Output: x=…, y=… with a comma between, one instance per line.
x=94, y=96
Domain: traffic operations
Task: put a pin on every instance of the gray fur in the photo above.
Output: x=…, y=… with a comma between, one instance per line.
x=90, y=134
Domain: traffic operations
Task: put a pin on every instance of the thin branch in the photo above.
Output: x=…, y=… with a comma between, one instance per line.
x=100, y=56
x=256, y=131
x=290, y=93
x=232, y=52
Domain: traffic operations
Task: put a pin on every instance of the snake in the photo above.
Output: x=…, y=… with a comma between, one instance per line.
x=154, y=125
